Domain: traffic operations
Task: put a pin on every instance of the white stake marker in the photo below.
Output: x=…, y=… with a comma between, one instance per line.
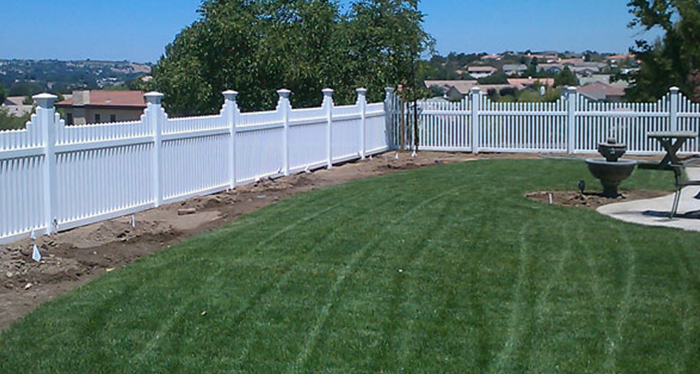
x=36, y=255
x=133, y=220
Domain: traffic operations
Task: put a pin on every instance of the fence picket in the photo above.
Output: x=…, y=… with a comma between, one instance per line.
x=572, y=124
x=54, y=177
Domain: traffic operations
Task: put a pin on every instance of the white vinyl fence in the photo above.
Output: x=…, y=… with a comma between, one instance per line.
x=55, y=177
x=573, y=124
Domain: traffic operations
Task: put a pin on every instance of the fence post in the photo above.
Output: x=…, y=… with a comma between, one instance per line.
x=46, y=119
x=570, y=94
x=284, y=106
x=673, y=110
x=328, y=105
x=362, y=103
x=389, y=113
x=475, y=96
x=154, y=116
x=230, y=112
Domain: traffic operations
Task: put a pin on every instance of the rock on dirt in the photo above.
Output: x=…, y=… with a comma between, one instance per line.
x=186, y=211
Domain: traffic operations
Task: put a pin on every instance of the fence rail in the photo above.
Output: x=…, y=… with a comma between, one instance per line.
x=572, y=124
x=55, y=177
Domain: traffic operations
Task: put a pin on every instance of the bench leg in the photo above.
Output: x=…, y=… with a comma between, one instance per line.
x=676, y=201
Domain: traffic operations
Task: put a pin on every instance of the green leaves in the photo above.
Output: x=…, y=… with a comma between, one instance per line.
x=673, y=60
x=259, y=46
x=566, y=78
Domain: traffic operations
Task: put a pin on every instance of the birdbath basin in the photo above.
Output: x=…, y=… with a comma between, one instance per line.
x=611, y=150
x=612, y=169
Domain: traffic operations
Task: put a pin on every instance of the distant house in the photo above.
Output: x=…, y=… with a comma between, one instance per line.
x=550, y=68
x=603, y=92
x=491, y=57
x=594, y=78
x=98, y=106
x=14, y=106
x=481, y=71
x=546, y=57
x=584, y=70
x=457, y=90
x=454, y=94
x=614, y=59
x=523, y=83
x=454, y=90
x=571, y=61
x=436, y=100
x=514, y=69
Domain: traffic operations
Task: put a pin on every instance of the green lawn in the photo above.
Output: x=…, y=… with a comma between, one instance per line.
x=440, y=270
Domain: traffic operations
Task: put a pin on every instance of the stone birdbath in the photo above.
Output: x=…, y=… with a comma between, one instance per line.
x=611, y=170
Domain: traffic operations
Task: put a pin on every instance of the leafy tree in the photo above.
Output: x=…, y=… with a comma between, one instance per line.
x=566, y=78
x=10, y=122
x=140, y=84
x=674, y=59
x=260, y=46
x=497, y=78
x=3, y=94
x=493, y=94
x=437, y=91
x=25, y=89
x=116, y=87
x=386, y=41
x=508, y=91
x=253, y=46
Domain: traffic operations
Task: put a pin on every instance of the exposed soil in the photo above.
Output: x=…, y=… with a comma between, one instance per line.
x=75, y=257
x=590, y=200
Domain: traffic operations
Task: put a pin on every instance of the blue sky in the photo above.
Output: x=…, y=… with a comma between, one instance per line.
x=139, y=30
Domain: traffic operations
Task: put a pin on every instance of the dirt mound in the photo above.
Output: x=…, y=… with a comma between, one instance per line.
x=590, y=200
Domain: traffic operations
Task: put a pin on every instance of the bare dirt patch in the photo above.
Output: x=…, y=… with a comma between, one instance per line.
x=590, y=200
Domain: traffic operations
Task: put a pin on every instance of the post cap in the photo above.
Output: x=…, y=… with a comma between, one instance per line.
x=230, y=95
x=154, y=97
x=361, y=91
x=284, y=93
x=327, y=92
x=675, y=89
x=476, y=90
x=45, y=100
x=389, y=90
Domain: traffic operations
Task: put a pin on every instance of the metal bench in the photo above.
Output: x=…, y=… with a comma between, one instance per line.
x=680, y=183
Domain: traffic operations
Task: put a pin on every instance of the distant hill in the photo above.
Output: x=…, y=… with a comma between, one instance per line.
x=28, y=77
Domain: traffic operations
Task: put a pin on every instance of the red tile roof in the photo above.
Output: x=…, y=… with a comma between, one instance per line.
x=600, y=90
x=521, y=83
x=100, y=98
x=621, y=57
x=483, y=69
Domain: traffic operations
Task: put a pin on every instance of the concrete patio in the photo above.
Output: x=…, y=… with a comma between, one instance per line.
x=654, y=212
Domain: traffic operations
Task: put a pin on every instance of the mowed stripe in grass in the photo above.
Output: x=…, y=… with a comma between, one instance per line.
x=446, y=269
